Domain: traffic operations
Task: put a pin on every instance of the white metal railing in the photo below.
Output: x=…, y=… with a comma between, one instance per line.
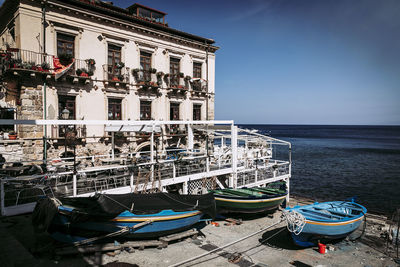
x=162, y=167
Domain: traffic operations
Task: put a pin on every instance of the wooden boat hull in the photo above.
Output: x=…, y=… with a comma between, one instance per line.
x=247, y=204
x=162, y=223
x=323, y=229
x=120, y=216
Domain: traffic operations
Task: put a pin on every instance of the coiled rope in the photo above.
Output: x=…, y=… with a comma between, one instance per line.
x=295, y=221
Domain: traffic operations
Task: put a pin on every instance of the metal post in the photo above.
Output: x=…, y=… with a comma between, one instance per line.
x=131, y=182
x=207, y=82
x=74, y=189
x=112, y=145
x=2, y=197
x=290, y=174
x=190, y=137
x=74, y=179
x=233, y=181
x=185, y=188
x=44, y=84
x=65, y=141
x=152, y=152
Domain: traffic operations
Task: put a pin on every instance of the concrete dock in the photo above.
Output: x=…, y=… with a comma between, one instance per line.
x=20, y=246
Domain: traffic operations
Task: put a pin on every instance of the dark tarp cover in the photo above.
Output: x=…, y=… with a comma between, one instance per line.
x=108, y=206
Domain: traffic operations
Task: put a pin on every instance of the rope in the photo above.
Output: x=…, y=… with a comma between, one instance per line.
x=119, y=203
x=44, y=213
x=295, y=221
x=227, y=245
x=187, y=204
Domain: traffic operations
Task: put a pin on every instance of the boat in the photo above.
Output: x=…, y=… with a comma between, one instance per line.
x=325, y=221
x=249, y=200
x=123, y=216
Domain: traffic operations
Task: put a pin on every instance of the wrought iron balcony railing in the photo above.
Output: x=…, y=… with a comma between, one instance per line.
x=16, y=58
x=115, y=73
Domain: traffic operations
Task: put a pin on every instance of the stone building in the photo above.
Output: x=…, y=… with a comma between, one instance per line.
x=99, y=62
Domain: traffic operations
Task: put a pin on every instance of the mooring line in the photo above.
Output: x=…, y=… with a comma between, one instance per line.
x=224, y=246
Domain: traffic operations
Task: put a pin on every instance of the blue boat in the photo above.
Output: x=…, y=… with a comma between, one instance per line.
x=128, y=216
x=327, y=221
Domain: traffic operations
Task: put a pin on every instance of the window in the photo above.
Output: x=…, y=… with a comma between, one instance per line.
x=174, y=112
x=66, y=102
x=7, y=114
x=196, y=70
x=114, y=109
x=196, y=74
x=196, y=112
x=65, y=45
x=174, y=71
x=114, y=57
x=145, y=65
x=145, y=110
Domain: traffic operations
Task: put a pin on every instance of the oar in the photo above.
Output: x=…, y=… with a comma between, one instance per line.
x=117, y=233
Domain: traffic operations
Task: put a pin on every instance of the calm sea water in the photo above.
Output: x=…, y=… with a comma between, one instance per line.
x=338, y=162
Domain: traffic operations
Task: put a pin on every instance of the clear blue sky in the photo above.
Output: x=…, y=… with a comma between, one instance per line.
x=298, y=61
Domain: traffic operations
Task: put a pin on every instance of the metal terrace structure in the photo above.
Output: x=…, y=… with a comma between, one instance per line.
x=232, y=157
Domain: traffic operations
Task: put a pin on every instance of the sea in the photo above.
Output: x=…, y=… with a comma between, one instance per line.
x=331, y=162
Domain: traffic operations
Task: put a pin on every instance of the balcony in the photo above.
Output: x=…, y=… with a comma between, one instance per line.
x=199, y=87
x=31, y=62
x=16, y=59
x=116, y=74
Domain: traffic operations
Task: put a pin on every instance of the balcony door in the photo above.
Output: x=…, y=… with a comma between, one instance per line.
x=65, y=45
x=114, y=58
x=66, y=102
x=114, y=109
x=174, y=71
x=145, y=65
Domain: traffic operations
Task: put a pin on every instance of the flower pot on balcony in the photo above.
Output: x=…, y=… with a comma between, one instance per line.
x=12, y=136
x=84, y=74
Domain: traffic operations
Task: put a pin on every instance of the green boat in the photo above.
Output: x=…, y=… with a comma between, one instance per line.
x=248, y=200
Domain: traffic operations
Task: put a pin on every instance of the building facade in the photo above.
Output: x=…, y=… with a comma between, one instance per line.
x=95, y=61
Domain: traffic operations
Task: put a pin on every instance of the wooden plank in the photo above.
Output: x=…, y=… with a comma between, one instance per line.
x=177, y=236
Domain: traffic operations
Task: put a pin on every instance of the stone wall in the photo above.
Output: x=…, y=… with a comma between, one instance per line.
x=31, y=109
x=12, y=150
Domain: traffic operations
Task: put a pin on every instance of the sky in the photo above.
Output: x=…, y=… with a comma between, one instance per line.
x=298, y=61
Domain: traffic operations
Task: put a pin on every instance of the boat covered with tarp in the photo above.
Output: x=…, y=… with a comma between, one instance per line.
x=324, y=221
x=122, y=216
x=249, y=200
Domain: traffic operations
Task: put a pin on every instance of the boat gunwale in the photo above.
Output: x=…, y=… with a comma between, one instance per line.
x=331, y=221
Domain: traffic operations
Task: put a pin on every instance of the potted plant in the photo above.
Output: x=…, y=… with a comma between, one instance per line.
x=65, y=59
x=45, y=66
x=153, y=70
x=15, y=63
x=160, y=74
x=91, y=62
x=12, y=135
x=82, y=72
x=188, y=78
x=119, y=65
x=181, y=74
